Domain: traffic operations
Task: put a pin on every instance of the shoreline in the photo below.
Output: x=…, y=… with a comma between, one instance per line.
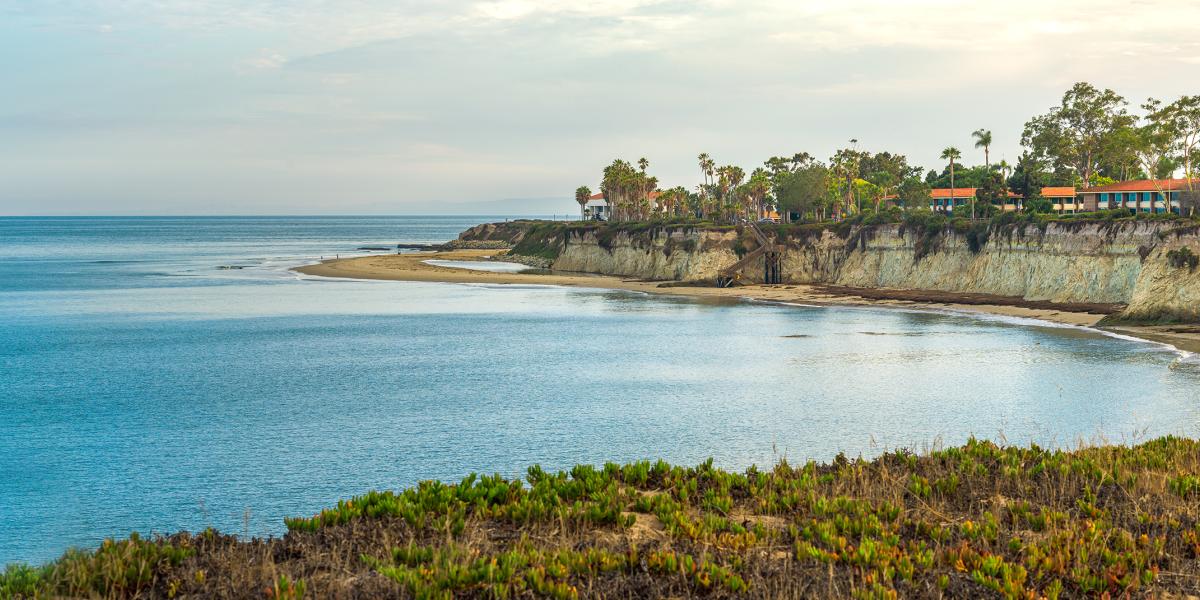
x=411, y=267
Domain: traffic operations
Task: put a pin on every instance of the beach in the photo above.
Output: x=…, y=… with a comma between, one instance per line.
x=415, y=267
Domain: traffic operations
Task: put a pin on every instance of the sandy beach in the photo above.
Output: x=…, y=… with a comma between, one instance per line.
x=413, y=267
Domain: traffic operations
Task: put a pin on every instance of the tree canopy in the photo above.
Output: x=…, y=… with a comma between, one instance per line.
x=1089, y=138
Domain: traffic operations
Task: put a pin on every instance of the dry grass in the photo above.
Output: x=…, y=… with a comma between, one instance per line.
x=975, y=521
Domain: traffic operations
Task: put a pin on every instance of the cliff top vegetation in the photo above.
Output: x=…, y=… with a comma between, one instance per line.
x=1090, y=138
x=979, y=520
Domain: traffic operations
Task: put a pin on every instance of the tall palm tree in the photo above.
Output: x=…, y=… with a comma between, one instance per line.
x=953, y=154
x=705, y=170
x=644, y=187
x=759, y=186
x=582, y=194
x=983, y=139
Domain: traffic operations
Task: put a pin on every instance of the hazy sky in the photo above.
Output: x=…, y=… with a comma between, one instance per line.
x=392, y=106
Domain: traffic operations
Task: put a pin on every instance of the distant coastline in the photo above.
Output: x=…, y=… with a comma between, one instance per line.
x=414, y=267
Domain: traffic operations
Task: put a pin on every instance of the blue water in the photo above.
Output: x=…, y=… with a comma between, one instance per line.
x=144, y=388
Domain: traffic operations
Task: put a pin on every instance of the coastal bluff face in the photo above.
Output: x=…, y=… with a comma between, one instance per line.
x=1142, y=264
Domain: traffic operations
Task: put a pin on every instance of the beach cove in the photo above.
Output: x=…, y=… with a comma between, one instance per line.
x=175, y=394
x=417, y=267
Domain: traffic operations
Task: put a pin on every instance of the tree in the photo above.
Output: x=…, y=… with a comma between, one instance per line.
x=1154, y=142
x=1039, y=205
x=1004, y=168
x=582, y=194
x=1119, y=154
x=802, y=189
x=895, y=165
x=867, y=189
x=756, y=191
x=1184, y=118
x=673, y=201
x=1076, y=134
x=983, y=139
x=1028, y=178
x=846, y=165
x=951, y=153
x=913, y=193
x=884, y=184
x=627, y=191
x=729, y=177
x=645, y=186
x=964, y=176
x=993, y=192
x=780, y=170
x=706, y=173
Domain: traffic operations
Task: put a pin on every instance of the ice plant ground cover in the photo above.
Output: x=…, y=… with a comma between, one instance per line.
x=970, y=521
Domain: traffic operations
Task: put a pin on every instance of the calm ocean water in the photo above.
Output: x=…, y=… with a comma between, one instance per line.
x=144, y=388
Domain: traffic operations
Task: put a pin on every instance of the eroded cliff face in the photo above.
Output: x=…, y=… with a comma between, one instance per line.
x=1118, y=263
x=1166, y=289
x=1084, y=263
x=680, y=254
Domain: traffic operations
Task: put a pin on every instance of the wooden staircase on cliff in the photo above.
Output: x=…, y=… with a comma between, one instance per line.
x=767, y=249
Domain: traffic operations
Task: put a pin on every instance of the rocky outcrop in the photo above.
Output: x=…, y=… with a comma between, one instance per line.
x=493, y=235
x=1129, y=263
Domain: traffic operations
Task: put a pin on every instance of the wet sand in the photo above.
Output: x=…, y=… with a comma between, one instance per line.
x=411, y=267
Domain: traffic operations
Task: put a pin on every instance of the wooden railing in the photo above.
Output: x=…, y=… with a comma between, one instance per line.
x=767, y=249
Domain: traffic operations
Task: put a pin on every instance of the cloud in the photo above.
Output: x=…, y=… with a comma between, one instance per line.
x=463, y=98
x=265, y=59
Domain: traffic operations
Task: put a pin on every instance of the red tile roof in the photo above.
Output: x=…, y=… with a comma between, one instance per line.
x=1058, y=192
x=1143, y=185
x=959, y=192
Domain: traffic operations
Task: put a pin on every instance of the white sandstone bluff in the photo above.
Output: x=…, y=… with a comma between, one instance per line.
x=1070, y=262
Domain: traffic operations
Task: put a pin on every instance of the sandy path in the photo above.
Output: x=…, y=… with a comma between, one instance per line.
x=411, y=267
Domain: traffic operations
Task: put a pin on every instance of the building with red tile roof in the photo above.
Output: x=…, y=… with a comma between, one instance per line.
x=946, y=199
x=1143, y=195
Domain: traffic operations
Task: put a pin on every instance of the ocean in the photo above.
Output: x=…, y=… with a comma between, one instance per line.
x=163, y=374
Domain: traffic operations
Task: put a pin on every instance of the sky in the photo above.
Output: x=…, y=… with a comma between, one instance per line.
x=396, y=106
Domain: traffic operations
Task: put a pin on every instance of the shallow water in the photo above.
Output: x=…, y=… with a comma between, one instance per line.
x=142, y=388
x=482, y=265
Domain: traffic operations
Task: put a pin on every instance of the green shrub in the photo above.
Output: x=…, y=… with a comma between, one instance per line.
x=117, y=569
x=1183, y=258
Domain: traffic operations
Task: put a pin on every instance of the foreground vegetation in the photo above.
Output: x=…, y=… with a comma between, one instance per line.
x=974, y=521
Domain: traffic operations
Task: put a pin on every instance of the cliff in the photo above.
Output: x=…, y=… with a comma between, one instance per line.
x=1150, y=266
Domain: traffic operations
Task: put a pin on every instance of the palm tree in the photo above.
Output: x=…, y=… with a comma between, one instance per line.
x=706, y=165
x=644, y=187
x=1005, y=169
x=983, y=139
x=953, y=154
x=582, y=194
x=759, y=186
